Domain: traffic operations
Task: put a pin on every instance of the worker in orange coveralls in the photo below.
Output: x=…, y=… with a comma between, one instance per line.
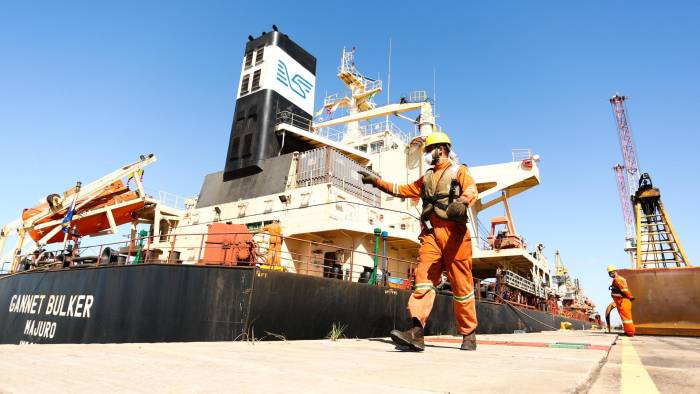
x=447, y=190
x=622, y=299
x=274, y=229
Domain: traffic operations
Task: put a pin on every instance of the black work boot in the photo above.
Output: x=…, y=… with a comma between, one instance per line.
x=469, y=341
x=412, y=338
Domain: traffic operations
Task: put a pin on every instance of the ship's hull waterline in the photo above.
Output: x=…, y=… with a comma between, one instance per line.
x=179, y=303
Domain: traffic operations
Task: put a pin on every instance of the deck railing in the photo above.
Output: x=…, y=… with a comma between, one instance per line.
x=520, y=154
x=245, y=249
x=299, y=255
x=296, y=120
x=337, y=135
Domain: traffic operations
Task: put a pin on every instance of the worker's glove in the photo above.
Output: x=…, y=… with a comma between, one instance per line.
x=368, y=178
x=457, y=211
x=632, y=298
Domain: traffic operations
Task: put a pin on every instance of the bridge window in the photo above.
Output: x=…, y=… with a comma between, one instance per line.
x=376, y=146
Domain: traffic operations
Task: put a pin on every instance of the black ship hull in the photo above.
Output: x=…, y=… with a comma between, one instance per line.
x=180, y=303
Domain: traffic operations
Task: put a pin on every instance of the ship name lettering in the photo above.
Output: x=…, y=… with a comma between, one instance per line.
x=26, y=303
x=77, y=305
x=45, y=329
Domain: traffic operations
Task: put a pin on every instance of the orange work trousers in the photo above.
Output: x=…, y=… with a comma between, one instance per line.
x=448, y=248
x=624, y=308
x=274, y=251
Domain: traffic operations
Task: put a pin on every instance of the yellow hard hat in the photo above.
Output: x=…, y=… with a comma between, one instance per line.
x=436, y=137
x=611, y=268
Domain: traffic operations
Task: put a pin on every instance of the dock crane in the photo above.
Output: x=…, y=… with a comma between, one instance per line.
x=651, y=240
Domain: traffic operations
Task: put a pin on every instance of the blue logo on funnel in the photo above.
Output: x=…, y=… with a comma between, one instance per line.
x=297, y=83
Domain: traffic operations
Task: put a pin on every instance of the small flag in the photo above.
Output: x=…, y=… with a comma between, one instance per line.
x=68, y=218
x=71, y=211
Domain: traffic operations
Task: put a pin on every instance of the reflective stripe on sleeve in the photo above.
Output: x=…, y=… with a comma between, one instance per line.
x=628, y=321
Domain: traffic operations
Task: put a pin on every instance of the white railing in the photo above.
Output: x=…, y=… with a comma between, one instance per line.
x=304, y=123
x=171, y=200
x=330, y=99
x=520, y=154
x=418, y=96
x=387, y=126
x=331, y=133
x=372, y=84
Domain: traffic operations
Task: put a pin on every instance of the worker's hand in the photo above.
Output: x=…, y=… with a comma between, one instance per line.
x=632, y=298
x=457, y=211
x=368, y=178
x=469, y=199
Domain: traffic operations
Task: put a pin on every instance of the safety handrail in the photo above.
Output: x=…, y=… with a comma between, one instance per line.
x=161, y=249
x=153, y=243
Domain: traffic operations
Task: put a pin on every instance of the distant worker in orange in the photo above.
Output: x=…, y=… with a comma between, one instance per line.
x=447, y=190
x=274, y=230
x=622, y=300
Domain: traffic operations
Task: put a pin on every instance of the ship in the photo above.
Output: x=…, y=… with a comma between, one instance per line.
x=285, y=241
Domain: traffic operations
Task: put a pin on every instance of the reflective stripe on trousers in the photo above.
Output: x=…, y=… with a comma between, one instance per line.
x=624, y=308
x=446, y=248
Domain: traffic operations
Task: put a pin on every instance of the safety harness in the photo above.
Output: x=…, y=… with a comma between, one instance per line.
x=437, y=196
x=615, y=291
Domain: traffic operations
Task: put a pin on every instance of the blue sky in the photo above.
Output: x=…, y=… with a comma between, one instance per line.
x=86, y=87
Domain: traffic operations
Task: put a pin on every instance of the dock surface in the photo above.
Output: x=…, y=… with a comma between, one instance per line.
x=556, y=362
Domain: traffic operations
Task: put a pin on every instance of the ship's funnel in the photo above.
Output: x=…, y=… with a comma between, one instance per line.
x=276, y=75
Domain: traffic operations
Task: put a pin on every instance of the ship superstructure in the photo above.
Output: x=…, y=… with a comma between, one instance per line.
x=309, y=183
